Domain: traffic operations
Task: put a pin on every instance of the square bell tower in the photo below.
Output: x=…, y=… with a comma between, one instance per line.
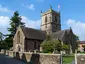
x=50, y=21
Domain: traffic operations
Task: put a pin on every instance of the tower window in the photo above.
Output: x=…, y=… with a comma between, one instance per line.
x=55, y=18
x=45, y=19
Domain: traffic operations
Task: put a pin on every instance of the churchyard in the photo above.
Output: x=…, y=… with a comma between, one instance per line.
x=49, y=45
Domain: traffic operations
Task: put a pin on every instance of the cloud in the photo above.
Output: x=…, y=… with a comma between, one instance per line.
x=31, y=6
x=4, y=9
x=31, y=23
x=78, y=28
x=4, y=23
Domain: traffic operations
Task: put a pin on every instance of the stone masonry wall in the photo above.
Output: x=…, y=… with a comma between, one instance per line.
x=32, y=58
x=41, y=58
x=80, y=58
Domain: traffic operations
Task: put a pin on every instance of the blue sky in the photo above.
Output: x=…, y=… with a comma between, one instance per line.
x=72, y=13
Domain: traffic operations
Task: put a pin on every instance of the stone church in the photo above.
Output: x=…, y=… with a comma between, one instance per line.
x=28, y=39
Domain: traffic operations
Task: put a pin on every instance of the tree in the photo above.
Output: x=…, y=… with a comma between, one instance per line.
x=58, y=45
x=50, y=45
x=15, y=21
x=65, y=47
x=1, y=37
x=47, y=46
x=77, y=37
x=3, y=44
x=76, y=41
x=9, y=42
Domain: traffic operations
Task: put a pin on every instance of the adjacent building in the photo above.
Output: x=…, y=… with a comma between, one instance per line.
x=80, y=46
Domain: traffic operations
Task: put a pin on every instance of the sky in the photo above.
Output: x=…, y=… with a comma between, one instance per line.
x=72, y=13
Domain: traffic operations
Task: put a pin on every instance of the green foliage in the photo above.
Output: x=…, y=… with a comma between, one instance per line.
x=50, y=45
x=58, y=46
x=65, y=47
x=47, y=46
x=67, y=59
x=3, y=44
x=9, y=42
x=1, y=37
x=76, y=41
x=15, y=21
x=77, y=37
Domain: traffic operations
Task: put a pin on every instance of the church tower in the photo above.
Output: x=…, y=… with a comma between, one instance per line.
x=50, y=21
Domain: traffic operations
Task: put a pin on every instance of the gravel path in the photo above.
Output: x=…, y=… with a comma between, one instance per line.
x=73, y=62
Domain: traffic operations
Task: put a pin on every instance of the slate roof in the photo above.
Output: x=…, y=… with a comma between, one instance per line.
x=60, y=34
x=31, y=33
x=82, y=42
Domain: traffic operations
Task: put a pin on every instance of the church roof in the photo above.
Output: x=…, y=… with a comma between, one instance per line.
x=60, y=34
x=31, y=33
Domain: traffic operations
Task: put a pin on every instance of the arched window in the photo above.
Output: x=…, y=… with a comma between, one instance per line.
x=18, y=37
x=19, y=48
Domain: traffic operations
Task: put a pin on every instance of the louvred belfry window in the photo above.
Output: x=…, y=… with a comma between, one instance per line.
x=55, y=18
x=46, y=19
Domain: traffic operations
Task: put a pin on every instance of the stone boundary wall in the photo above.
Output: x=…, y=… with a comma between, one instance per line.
x=36, y=58
x=42, y=58
x=7, y=52
x=11, y=54
x=80, y=58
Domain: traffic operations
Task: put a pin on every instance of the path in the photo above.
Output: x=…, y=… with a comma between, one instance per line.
x=7, y=60
x=73, y=62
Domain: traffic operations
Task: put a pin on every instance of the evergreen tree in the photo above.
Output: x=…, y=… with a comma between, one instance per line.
x=3, y=45
x=1, y=37
x=15, y=21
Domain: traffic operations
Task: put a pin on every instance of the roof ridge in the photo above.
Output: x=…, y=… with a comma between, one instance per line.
x=33, y=29
x=33, y=33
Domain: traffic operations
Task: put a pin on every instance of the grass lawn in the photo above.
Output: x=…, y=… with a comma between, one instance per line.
x=82, y=52
x=68, y=59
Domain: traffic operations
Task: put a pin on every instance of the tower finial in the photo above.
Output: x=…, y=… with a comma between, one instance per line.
x=58, y=8
x=41, y=11
x=50, y=7
x=70, y=28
